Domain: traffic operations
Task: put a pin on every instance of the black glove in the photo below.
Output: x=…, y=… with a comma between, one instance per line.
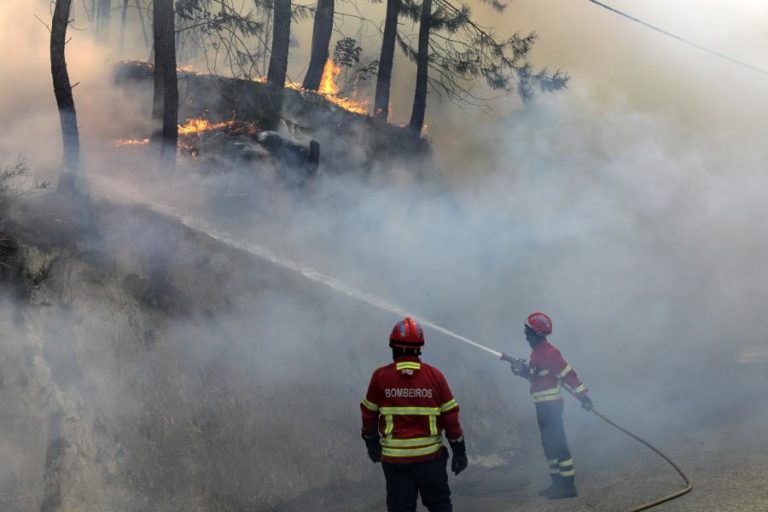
x=586, y=403
x=459, y=462
x=518, y=366
x=374, y=448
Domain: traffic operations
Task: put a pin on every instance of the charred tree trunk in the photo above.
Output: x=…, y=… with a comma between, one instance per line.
x=166, y=99
x=278, y=62
x=63, y=91
x=321, y=38
x=386, y=61
x=281, y=38
x=422, y=69
x=104, y=16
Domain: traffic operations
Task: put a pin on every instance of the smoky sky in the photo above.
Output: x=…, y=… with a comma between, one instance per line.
x=610, y=59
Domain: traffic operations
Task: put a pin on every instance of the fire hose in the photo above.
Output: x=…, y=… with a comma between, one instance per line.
x=645, y=506
x=381, y=304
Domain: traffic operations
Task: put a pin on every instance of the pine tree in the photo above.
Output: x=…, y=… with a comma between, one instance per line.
x=386, y=61
x=63, y=91
x=458, y=51
x=281, y=39
x=166, y=97
x=321, y=39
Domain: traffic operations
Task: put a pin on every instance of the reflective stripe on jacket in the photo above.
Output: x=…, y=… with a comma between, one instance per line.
x=548, y=371
x=408, y=405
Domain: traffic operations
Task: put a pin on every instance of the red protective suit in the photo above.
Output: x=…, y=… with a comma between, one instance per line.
x=548, y=370
x=408, y=405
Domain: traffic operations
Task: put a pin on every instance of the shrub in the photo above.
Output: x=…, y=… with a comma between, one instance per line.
x=14, y=184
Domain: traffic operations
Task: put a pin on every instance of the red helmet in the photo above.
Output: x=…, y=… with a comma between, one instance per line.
x=407, y=334
x=539, y=323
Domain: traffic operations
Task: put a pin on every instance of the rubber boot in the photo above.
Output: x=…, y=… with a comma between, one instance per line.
x=552, y=487
x=566, y=489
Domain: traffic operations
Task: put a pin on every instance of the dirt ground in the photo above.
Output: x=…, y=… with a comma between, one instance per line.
x=155, y=413
x=725, y=456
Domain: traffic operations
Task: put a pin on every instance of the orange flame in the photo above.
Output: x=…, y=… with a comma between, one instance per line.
x=131, y=142
x=197, y=126
x=330, y=90
x=201, y=125
x=328, y=81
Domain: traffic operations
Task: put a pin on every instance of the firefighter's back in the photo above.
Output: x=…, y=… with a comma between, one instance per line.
x=412, y=397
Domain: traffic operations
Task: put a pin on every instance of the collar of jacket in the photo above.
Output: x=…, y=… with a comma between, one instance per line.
x=407, y=365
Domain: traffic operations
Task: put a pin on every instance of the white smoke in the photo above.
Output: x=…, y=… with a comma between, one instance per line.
x=631, y=214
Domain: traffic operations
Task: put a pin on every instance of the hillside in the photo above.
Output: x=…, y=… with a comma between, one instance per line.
x=350, y=142
x=165, y=377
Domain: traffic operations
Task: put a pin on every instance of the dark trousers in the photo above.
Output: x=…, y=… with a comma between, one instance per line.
x=405, y=481
x=549, y=416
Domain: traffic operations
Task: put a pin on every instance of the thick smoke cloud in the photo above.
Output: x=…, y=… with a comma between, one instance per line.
x=629, y=207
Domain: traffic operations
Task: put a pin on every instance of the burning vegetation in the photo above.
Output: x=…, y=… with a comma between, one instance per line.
x=453, y=53
x=227, y=115
x=240, y=141
x=329, y=90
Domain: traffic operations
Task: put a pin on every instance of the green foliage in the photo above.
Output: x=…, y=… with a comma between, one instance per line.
x=462, y=52
x=12, y=188
x=347, y=55
x=220, y=29
x=227, y=32
x=367, y=71
x=226, y=18
x=9, y=175
x=347, y=52
x=300, y=12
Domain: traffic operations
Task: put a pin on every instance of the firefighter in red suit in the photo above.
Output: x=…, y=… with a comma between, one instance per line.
x=547, y=371
x=406, y=409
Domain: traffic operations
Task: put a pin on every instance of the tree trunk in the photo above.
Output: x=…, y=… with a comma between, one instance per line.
x=386, y=61
x=63, y=91
x=142, y=22
x=321, y=38
x=422, y=69
x=166, y=100
x=157, y=97
x=281, y=38
x=92, y=14
x=103, y=19
x=123, y=22
x=278, y=62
